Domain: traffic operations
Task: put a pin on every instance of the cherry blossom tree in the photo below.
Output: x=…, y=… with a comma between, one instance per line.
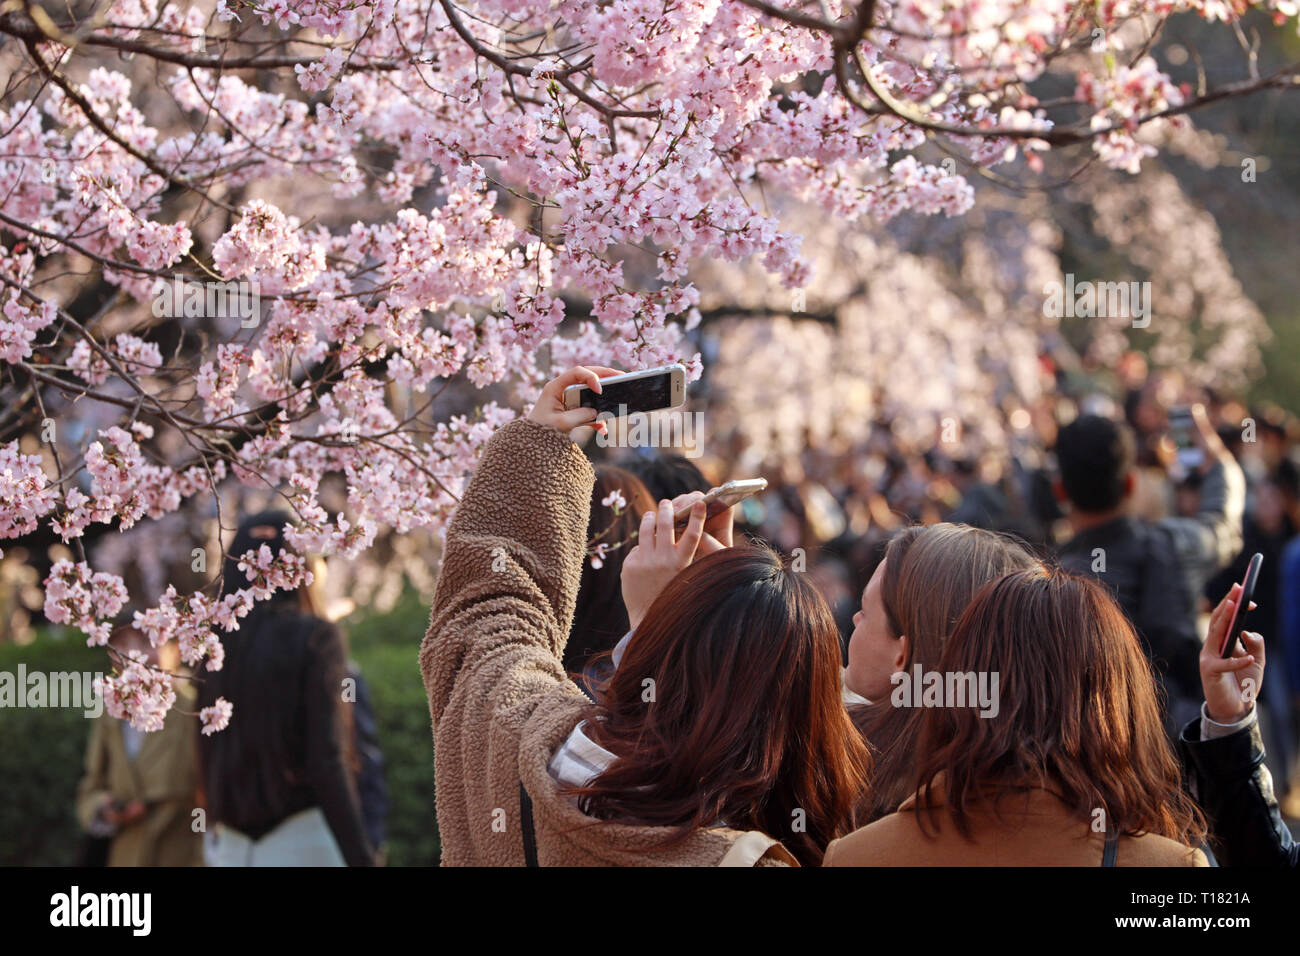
x=261, y=243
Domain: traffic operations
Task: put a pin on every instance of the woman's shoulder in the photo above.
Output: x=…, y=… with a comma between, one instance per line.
x=1151, y=849
x=876, y=844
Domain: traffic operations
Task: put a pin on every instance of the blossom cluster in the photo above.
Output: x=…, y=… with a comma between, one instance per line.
x=137, y=356
x=124, y=486
x=26, y=495
x=138, y=692
x=76, y=596
x=1121, y=100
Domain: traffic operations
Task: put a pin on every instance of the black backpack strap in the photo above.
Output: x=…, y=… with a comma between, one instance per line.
x=526, y=825
x=1111, y=849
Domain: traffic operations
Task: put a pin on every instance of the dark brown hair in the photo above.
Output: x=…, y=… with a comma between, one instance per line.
x=282, y=673
x=1078, y=711
x=725, y=710
x=600, y=619
x=932, y=573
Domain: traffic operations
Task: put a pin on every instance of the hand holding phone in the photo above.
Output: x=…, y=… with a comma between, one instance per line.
x=551, y=408
x=719, y=502
x=722, y=498
x=1230, y=683
x=124, y=813
x=661, y=551
x=717, y=520
x=1244, y=605
x=631, y=392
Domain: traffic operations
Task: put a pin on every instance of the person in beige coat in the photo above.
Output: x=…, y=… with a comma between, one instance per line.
x=140, y=789
x=1044, y=832
x=1042, y=743
x=725, y=648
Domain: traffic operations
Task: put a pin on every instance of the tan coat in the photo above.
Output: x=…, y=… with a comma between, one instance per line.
x=499, y=698
x=163, y=775
x=1037, y=829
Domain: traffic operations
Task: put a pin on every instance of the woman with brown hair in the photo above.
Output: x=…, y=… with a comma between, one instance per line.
x=926, y=581
x=719, y=740
x=739, y=657
x=1070, y=766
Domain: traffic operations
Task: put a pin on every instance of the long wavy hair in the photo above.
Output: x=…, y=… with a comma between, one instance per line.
x=725, y=710
x=932, y=573
x=1078, y=712
x=253, y=772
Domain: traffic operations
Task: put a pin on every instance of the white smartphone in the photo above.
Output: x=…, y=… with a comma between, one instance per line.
x=622, y=395
x=721, y=498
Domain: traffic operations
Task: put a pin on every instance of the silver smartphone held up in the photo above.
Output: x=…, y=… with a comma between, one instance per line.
x=721, y=498
x=647, y=391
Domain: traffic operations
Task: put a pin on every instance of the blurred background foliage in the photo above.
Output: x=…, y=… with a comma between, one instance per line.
x=1260, y=226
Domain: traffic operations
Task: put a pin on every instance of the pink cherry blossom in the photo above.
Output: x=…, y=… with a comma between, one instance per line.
x=216, y=717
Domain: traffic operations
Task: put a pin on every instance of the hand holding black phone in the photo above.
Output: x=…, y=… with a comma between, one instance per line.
x=1243, y=606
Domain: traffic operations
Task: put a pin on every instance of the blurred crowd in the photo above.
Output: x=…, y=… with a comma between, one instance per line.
x=839, y=505
x=1160, y=491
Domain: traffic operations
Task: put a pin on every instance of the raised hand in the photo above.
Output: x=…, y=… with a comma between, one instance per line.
x=1231, y=684
x=550, y=409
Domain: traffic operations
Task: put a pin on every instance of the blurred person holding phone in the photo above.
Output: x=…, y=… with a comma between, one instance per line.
x=1072, y=767
x=1225, y=752
x=1155, y=569
x=719, y=739
x=1266, y=529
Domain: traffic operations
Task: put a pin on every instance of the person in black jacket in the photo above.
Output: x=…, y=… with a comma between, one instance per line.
x=1155, y=569
x=1224, y=753
x=372, y=787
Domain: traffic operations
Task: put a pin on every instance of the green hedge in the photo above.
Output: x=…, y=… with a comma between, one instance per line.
x=41, y=754
x=41, y=750
x=387, y=648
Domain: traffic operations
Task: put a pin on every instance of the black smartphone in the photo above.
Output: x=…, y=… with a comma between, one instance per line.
x=1243, y=606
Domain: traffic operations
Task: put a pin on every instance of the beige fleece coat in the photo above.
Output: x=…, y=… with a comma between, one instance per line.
x=500, y=700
